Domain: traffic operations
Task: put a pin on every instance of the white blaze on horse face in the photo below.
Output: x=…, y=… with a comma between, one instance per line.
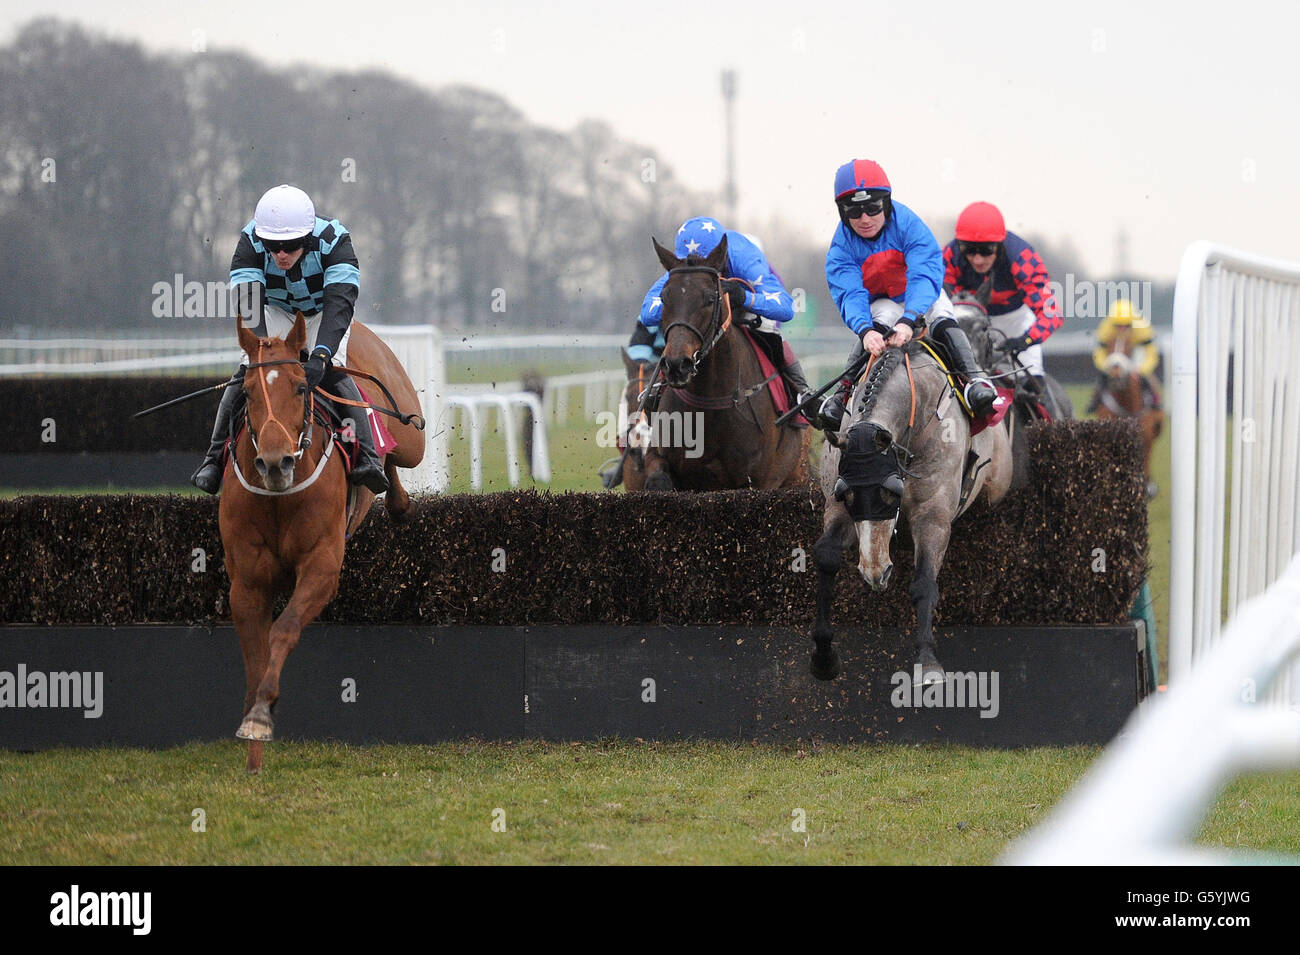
x=1118, y=363
x=271, y=376
x=874, y=563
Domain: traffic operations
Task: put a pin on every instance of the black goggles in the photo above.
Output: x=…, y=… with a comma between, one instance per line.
x=869, y=207
x=979, y=248
x=284, y=245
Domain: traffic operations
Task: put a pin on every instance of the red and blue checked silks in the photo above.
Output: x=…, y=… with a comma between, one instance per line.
x=1019, y=278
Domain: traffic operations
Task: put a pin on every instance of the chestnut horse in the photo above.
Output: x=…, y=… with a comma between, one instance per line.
x=716, y=411
x=284, y=512
x=1128, y=393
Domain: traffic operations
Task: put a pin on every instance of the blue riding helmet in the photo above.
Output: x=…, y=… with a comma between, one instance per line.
x=698, y=236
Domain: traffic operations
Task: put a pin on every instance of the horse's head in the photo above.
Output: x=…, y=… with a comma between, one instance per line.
x=1119, y=358
x=870, y=474
x=276, y=387
x=973, y=318
x=693, y=308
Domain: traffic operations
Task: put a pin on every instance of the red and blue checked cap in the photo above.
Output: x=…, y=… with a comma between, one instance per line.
x=860, y=175
x=698, y=236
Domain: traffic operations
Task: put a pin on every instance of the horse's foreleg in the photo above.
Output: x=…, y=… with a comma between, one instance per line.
x=250, y=608
x=657, y=477
x=828, y=554
x=317, y=583
x=930, y=541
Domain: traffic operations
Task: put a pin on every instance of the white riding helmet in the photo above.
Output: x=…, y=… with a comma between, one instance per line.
x=285, y=212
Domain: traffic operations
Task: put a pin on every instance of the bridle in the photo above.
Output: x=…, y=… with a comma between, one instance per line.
x=308, y=403
x=709, y=337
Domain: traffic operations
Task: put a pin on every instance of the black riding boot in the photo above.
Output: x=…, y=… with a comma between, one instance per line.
x=831, y=414
x=980, y=393
x=208, y=476
x=792, y=371
x=368, y=470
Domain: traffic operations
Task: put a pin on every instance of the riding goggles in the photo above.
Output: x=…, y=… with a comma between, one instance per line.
x=979, y=248
x=871, y=207
x=284, y=245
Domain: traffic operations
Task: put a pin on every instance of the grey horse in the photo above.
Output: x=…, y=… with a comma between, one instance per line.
x=877, y=463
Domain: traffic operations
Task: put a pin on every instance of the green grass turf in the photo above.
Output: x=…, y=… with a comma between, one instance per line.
x=608, y=802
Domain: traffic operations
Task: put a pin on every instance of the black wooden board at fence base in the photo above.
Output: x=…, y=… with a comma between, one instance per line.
x=89, y=470
x=162, y=686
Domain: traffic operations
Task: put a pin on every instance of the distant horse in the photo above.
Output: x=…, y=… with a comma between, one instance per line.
x=904, y=445
x=715, y=425
x=284, y=512
x=638, y=380
x=1031, y=404
x=1128, y=393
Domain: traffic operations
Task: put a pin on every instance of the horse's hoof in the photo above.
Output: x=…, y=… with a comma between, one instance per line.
x=825, y=666
x=931, y=673
x=252, y=729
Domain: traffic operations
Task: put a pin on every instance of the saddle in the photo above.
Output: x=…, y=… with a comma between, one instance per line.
x=1001, y=404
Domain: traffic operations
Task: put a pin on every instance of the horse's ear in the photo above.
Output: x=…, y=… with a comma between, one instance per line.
x=247, y=340
x=718, y=257
x=297, y=336
x=666, y=258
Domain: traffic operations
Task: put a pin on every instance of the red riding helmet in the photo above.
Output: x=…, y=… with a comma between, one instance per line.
x=981, y=222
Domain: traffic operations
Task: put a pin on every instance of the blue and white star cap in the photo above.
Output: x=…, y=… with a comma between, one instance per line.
x=698, y=236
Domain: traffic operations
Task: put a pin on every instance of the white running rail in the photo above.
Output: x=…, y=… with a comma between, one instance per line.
x=1236, y=452
x=1142, y=802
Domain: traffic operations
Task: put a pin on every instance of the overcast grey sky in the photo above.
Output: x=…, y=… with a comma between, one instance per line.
x=1176, y=121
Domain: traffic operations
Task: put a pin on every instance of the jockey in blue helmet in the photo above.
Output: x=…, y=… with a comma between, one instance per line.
x=885, y=272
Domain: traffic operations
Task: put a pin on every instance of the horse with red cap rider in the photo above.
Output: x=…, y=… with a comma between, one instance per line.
x=885, y=273
x=291, y=260
x=1007, y=276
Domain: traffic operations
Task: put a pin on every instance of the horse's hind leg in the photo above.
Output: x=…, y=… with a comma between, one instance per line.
x=828, y=553
x=396, y=501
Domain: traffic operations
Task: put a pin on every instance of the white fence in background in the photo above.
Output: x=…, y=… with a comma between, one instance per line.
x=1236, y=468
x=427, y=356
x=1142, y=802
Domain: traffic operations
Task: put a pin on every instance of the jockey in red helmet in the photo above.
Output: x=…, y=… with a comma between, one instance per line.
x=1004, y=273
x=885, y=273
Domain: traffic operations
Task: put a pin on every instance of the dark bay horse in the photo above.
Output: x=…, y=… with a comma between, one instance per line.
x=715, y=425
x=1007, y=372
x=284, y=512
x=904, y=445
x=1129, y=393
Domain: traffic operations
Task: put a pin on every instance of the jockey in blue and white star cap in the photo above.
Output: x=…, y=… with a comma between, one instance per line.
x=764, y=305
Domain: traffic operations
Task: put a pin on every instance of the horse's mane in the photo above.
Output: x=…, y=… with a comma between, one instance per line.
x=881, y=371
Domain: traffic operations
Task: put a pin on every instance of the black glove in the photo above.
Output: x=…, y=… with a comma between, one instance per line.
x=736, y=292
x=1014, y=346
x=315, y=368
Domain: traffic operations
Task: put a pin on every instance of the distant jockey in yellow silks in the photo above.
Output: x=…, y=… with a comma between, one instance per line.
x=1126, y=342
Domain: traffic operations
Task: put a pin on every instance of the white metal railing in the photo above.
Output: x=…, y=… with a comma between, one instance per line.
x=474, y=411
x=1142, y=802
x=1236, y=473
